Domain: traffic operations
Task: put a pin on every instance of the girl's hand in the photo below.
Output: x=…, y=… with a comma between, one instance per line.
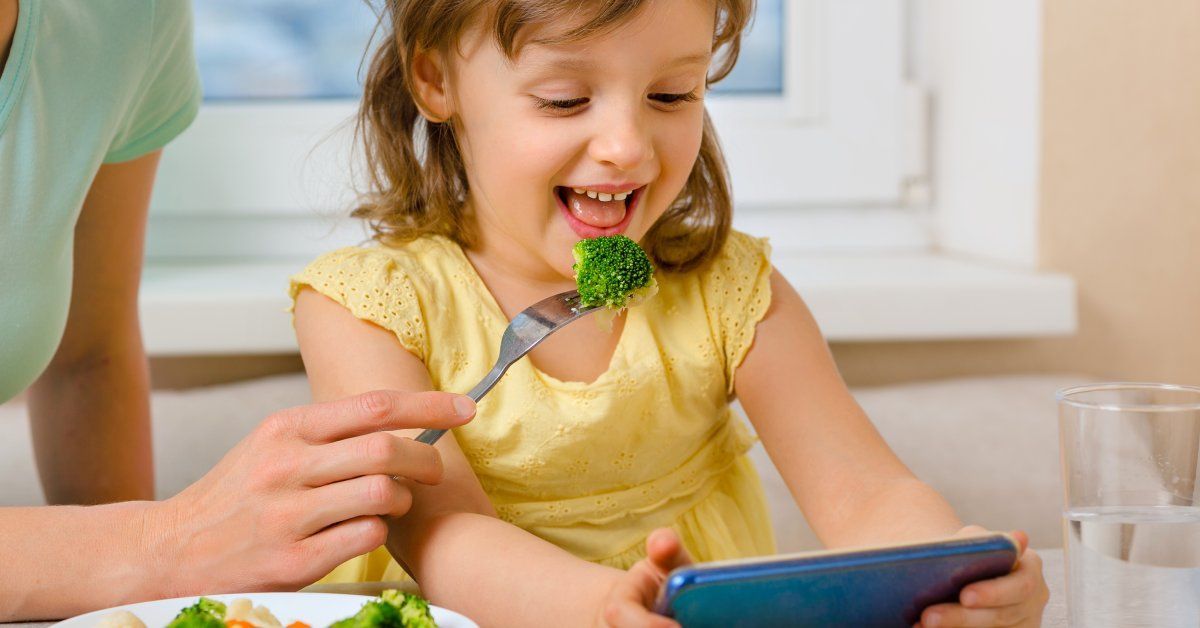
x=629, y=601
x=304, y=492
x=1016, y=599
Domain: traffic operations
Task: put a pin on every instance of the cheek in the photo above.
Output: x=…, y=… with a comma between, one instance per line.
x=514, y=161
x=684, y=143
x=679, y=146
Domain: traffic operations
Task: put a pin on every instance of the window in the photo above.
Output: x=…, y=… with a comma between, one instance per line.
x=811, y=120
x=823, y=132
x=281, y=49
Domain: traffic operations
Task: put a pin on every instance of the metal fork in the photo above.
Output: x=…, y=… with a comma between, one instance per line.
x=526, y=330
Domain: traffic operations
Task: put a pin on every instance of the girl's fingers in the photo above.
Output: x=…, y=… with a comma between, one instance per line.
x=625, y=610
x=367, y=495
x=380, y=453
x=665, y=551
x=953, y=615
x=627, y=615
x=630, y=600
x=1023, y=584
x=1022, y=541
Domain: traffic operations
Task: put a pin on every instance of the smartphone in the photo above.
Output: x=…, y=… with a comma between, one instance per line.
x=870, y=587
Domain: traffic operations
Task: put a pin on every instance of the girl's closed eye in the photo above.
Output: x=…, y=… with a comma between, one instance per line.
x=562, y=104
x=675, y=100
x=668, y=99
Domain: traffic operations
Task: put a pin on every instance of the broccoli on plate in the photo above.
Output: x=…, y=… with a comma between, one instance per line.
x=205, y=613
x=393, y=609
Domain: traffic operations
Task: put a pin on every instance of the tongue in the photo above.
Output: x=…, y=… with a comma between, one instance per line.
x=593, y=212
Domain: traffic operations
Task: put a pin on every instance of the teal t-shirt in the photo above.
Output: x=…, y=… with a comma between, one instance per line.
x=87, y=82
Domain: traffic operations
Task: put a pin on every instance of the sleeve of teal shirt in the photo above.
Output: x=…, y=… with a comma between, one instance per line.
x=169, y=94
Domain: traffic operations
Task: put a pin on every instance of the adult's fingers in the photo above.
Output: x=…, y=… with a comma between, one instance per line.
x=321, y=552
x=376, y=411
x=381, y=453
x=341, y=501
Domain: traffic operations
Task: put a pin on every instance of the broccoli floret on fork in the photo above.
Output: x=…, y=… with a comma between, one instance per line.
x=612, y=271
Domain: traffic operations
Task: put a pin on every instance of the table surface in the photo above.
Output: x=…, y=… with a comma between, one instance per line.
x=1055, y=616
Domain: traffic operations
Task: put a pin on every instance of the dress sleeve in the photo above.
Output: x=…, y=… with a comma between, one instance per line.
x=168, y=95
x=374, y=287
x=737, y=294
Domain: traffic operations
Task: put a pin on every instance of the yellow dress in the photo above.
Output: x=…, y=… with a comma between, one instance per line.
x=591, y=467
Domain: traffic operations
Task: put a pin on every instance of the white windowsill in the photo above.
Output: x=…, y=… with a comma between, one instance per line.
x=239, y=308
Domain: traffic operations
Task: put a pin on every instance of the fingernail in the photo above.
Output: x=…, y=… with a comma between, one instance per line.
x=464, y=407
x=931, y=619
x=970, y=598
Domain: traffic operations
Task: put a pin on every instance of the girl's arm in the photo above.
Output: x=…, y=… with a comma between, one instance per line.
x=90, y=408
x=852, y=488
x=450, y=541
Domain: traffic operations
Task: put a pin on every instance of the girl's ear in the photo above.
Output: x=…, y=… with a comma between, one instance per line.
x=431, y=85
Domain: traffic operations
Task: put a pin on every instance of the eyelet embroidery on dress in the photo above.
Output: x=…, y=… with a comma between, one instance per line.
x=623, y=460
x=626, y=385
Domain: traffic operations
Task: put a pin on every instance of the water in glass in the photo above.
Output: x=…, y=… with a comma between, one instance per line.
x=1134, y=566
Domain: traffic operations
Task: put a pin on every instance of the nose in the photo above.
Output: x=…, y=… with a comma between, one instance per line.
x=622, y=140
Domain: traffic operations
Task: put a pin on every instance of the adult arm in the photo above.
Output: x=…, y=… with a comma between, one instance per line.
x=90, y=410
x=304, y=492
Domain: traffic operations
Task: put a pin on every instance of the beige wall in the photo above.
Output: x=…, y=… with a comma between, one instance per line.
x=1120, y=211
x=1120, y=203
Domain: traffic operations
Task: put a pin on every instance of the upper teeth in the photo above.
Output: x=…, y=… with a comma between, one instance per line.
x=604, y=196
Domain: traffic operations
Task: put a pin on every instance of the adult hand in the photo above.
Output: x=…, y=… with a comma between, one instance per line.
x=1016, y=599
x=629, y=601
x=304, y=492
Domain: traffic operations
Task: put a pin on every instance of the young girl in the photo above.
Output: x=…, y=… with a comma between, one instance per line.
x=499, y=133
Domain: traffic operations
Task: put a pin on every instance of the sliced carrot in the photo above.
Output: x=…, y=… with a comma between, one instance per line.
x=298, y=624
x=238, y=623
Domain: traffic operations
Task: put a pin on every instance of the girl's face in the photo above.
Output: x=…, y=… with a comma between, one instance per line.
x=582, y=139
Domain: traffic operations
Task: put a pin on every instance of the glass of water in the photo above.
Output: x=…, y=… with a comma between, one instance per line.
x=1132, y=507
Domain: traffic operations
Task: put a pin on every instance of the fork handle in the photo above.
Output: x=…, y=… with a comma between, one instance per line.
x=430, y=437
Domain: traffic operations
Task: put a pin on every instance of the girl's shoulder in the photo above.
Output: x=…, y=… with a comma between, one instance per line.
x=389, y=285
x=742, y=257
x=417, y=262
x=731, y=294
x=741, y=265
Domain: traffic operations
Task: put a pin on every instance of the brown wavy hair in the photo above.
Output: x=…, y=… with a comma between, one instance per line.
x=416, y=184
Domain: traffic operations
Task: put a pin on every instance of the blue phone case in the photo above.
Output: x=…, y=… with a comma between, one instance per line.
x=886, y=586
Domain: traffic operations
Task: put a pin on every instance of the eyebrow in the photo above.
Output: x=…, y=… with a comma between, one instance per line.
x=584, y=64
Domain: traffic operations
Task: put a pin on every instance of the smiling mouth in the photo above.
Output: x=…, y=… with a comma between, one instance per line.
x=591, y=213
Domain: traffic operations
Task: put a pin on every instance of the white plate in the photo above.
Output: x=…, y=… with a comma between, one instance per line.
x=315, y=609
